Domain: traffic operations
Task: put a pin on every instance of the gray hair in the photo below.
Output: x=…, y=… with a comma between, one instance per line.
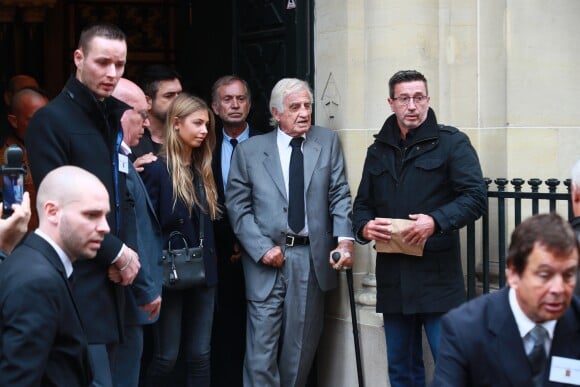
x=284, y=88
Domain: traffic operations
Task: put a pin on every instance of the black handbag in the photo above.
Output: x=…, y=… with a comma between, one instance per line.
x=183, y=268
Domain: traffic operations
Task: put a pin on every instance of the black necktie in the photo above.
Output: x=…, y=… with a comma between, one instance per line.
x=296, y=186
x=234, y=142
x=537, y=355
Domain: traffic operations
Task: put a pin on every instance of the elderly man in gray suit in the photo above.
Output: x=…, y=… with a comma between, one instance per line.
x=143, y=234
x=290, y=206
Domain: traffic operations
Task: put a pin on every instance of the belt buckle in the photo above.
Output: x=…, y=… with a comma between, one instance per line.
x=290, y=240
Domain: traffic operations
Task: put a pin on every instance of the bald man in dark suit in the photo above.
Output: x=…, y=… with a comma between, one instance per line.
x=42, y=341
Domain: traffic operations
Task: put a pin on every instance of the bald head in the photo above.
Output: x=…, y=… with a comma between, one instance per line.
x=24, y=104
x=72, y=207
x=16, y=83
x=133, y=120
x=66, y=184
x=129, y=93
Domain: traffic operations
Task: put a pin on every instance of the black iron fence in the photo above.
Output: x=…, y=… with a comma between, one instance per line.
x=508, y=203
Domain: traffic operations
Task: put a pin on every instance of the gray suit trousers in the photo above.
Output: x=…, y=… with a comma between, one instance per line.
x=283, y=331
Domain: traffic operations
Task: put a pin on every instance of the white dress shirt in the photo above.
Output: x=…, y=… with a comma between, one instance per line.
x=525, y=325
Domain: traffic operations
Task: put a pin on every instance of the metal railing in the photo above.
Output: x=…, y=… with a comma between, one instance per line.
x=505, y=206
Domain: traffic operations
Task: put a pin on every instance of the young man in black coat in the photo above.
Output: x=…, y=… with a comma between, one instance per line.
x=81, y=127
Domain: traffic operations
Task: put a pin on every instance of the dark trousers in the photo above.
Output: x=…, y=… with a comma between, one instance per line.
x=404, y=338
x=185, y=319
x=228, y=341
x=128, y=358
x=103, y=358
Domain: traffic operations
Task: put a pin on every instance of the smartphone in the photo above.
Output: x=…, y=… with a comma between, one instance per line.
x=13, y=173
x=12, y=191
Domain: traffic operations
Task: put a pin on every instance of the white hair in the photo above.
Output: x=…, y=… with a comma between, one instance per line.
x=281, y=90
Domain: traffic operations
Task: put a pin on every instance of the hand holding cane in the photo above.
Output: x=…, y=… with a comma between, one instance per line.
x=349, y=279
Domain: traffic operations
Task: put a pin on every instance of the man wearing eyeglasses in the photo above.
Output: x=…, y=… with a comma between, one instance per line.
x=429, y=174
x=143, y=234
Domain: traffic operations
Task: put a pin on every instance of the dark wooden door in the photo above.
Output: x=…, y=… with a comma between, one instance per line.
x=260, y=40
x=271, y=40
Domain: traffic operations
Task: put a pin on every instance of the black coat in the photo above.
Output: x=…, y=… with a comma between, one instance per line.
x=436, y=173
x=231, y=280
x=73, y=130
x=42, y=342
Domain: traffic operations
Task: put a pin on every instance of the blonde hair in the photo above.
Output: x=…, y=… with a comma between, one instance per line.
x=181, y=172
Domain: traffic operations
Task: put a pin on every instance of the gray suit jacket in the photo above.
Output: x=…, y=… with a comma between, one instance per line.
x=258, y=205
x=143, y=236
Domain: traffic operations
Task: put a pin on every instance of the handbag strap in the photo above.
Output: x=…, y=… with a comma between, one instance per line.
x=199, y=214
x=176, y=234
x=201, y=193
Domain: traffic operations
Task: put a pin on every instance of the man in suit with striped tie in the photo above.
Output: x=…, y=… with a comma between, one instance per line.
x=527, y=333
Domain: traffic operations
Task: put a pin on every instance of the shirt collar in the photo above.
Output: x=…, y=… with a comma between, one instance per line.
x=243, y=136
x=125, y=149
x=66, y=262
x=284, y=139
x=525, y=325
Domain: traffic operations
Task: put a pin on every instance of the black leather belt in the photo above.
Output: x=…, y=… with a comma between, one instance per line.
x=296, y=240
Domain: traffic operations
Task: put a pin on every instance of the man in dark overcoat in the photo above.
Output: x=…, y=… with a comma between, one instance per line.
x=427, y=173
x=81, y=127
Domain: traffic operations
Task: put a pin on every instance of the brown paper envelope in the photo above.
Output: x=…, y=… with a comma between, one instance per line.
x=396, y=244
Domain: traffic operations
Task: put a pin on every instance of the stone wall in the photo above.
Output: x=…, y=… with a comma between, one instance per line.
x=503, y=71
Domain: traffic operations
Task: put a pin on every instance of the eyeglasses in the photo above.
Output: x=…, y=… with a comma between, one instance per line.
x=143, y=113
x=417, y=99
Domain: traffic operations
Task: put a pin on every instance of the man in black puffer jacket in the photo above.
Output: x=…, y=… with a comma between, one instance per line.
x=429, y=173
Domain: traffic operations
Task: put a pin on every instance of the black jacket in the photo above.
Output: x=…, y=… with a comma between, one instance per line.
x=42, y=342
x=436, y=172
x=76, y=129
x=223, y=229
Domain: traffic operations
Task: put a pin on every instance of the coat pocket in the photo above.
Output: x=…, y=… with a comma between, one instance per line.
x=429, y=164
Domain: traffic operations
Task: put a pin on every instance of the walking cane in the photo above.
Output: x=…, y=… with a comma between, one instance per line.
x=349, y=280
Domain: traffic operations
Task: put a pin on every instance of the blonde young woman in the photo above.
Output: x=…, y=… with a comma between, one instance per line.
x=185, y=160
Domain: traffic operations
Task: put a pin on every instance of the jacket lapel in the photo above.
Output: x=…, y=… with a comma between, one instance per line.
x=45, y=249
x=311, y=149
x=272, y=165
x=505, y=333
x=217, y=165
x=133, y=175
